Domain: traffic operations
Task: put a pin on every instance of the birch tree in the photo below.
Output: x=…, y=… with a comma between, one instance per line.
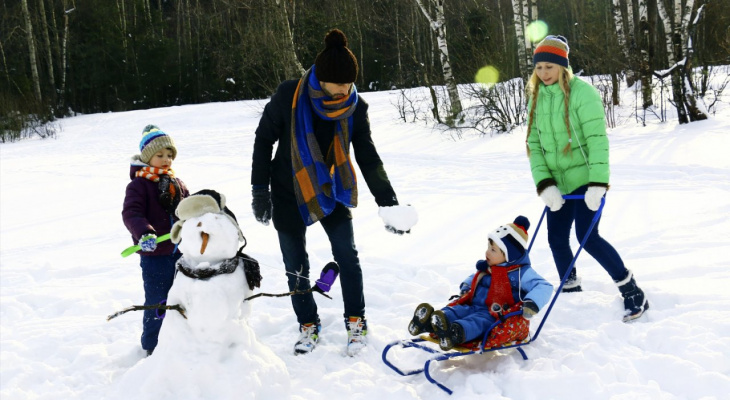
x=32, y=51
x=292, y=65
x=64, y=53
x=437, y=21
x=521, y=10
x=646, y=51
x=47, y=43
x=676, y=24
x=624, y=36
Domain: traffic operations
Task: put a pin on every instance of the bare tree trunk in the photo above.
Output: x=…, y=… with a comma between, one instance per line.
x=622, y=29
x=676, y=34
x=49, y=52
x=438, y=25
x=64, y=56
x=148, y=11
x=667, y=22
x=360, y=36
x=524, y=60
x=690, y=90
x=502, y=28
x=5, y=63
x=31, y=51
x=397, y=44
x=162, y=18
x=647, y=53
x=122, y=25
x=54, y=30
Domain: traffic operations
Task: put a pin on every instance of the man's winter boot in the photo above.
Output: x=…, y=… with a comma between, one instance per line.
x=421, y=321
x=357, y=331
x=635, y=302
x=308, y=338
x=572, y=284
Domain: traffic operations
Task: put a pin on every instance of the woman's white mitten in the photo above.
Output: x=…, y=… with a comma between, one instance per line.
x=593, y=197
x=552, y=198
x=399, y=219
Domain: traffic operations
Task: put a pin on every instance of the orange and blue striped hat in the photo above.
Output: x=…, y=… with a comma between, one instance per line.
x=552, y=49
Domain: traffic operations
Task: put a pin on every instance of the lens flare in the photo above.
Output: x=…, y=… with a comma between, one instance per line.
x=536, y=31
x=487, y=75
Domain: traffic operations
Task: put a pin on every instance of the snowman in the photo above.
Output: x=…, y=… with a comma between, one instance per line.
x=210, y=351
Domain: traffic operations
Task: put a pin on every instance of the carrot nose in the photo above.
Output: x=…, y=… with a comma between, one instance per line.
x=205, y=237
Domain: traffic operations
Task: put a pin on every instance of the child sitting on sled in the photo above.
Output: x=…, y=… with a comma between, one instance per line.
x=504, y=282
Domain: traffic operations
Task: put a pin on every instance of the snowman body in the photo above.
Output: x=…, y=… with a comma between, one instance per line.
x=214, y=306
x=213, y=353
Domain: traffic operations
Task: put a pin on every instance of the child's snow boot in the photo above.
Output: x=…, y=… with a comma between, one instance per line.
x=421, y=321
x=454, y=338
x=635, y=301
x=357, y=331
x=308, y=338
x=441, y=327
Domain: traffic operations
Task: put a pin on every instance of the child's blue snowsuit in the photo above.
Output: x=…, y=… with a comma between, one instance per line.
x=475, y=317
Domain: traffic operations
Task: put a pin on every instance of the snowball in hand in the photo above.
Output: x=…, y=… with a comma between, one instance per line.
x=402, y=218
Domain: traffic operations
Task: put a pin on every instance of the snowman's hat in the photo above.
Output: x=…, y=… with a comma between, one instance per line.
x=200, y=203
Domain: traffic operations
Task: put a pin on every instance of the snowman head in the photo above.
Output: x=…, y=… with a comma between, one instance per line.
x=207, y=229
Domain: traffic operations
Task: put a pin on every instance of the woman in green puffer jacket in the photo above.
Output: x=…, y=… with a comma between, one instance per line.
x=568, y=150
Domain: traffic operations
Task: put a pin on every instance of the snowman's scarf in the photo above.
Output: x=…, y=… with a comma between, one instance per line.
x=250, y=269
x=226, y=267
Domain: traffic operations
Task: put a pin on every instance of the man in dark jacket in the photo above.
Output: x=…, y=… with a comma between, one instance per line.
x=315, y=120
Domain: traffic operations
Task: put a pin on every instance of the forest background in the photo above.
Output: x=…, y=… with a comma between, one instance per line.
x=61, y=57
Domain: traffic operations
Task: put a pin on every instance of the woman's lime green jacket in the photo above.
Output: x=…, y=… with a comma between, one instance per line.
x=587, y=161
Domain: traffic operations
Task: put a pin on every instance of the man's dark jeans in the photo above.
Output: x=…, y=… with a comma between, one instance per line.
x=341, y=237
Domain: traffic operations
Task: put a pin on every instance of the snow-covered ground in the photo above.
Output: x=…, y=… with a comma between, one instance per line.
x=667, y=213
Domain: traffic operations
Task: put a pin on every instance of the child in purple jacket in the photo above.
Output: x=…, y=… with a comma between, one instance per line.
x=148, y=212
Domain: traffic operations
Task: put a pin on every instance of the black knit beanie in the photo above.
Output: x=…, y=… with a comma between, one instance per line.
x=336, y=63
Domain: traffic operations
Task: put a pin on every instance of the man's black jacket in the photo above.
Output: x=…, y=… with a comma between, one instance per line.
x=275, y=126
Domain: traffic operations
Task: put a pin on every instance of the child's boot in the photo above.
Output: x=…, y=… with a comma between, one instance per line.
x=454, y=338
x=421, y=321
x=635, y=301
x=441, y=327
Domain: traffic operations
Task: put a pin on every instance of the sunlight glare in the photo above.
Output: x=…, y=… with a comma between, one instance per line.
x=536, y=31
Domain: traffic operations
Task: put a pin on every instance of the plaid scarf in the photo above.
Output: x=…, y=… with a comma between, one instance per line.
x=166, y=183
x=320, y=183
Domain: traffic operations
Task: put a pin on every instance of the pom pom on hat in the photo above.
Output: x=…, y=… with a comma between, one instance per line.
x=552, y=49
x=336, y=63
x=512, y=238
x=154, y=140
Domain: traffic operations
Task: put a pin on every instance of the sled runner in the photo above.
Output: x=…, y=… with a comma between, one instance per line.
x=480, y=346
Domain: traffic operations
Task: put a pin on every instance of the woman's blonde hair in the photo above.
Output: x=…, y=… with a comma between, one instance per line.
x=533, y=87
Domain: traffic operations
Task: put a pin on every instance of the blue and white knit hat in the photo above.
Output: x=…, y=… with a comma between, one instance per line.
x=512, y=238
x=154, y=140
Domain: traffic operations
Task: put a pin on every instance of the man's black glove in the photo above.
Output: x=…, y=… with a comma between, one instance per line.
x=261, y=205
x=529, y=309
